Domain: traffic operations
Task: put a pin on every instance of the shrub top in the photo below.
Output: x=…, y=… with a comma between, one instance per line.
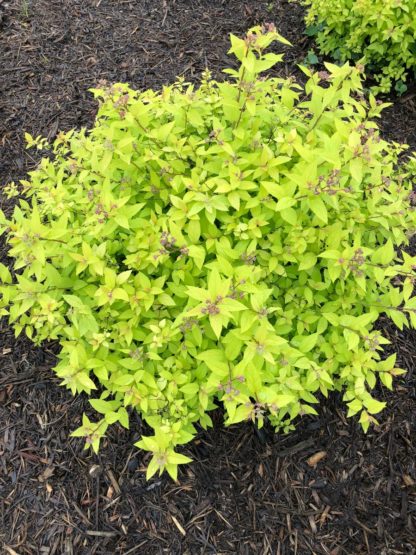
x=231, y=242
x=379, y=33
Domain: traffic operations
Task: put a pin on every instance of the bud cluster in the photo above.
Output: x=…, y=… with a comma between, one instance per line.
x=211, y=307
x=249, y=258
x=355, y=263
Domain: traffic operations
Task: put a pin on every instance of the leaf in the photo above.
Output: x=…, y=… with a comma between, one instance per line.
x=197, y=293
x=234, y=199
x=238, y=47
x=216, y=324
x=306, y=344
x=198, y=254
x=284, y=400
x=123, y=417
x=240, y=414
x=101, y=373
x=85, y=380
x=373, y=406
x=147, y=444
x=352, y=339
x=249, y=62
x=356, y=169
x=289, y=215
x=215, y=360
x=122, y=221
x=215, y=284
x=408, y=480
x=194, y=230
x=74, y=301
x=312, y=58
x=233, y=349
x=190, y=389
x=111, y=417
x=178, y=458
x=308, y=261
x=385, y=254
x=316, y=458
x=400, y=87
x=284, y=203
x=332, y=254
x=317, y=205
x=101, y=406
x=152, y=468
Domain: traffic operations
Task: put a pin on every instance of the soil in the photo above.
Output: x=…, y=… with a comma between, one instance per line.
x=248, y=492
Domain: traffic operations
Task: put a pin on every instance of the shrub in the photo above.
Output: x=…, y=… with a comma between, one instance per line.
x=379, y=33
x=233, y=242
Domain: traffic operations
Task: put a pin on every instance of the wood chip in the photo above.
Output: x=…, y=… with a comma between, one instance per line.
x=178, y=525
x=408, y=480
x=95, y=471
x=312, y=524
x=114, y=482
x=98, y=533
x=314, y=459
x=324, y=515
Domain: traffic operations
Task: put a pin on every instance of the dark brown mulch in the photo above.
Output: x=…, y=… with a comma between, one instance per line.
x=247, y=492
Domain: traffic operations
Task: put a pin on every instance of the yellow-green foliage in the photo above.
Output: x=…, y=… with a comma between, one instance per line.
x=380, y=33
x=230, y=243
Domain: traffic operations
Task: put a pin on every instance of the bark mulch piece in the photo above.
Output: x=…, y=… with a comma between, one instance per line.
x=326, y=488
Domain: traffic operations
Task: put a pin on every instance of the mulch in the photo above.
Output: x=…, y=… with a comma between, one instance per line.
x=326, y=488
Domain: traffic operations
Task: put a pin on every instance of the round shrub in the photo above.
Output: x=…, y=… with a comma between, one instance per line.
x=379, y=33
x=233, y=242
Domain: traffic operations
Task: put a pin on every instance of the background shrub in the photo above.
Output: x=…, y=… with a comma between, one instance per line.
x=379, y=33
x=232, y=242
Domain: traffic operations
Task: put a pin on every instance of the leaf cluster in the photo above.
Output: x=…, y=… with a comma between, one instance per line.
x=233, y=243
x=381, y=34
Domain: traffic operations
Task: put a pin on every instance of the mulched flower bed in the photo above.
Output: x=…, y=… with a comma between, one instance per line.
x=326, y=488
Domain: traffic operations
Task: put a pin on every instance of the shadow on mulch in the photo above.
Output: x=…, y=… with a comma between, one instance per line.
x=247, y=492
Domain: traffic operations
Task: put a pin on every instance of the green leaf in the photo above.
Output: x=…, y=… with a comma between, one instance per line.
x=308, y=261
x=311, y=58
x=121, y=294
x=123, y=417
x=384, y=254
x=373, y=406
x=216, y=285
x=85, y=380
x=317, y=205
x=197, y=293
x=216, y=324
x=238, y=47
x=352, y=339
x=306, y=344
x=178, y=458
x=284, y=203
x=122, y=221
x=198, y=254
x=215, y=360
x=102, y=406
x=289, y=215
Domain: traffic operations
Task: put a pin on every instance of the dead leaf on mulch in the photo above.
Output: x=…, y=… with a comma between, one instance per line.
x=47, y=473
x=408, y=480
x=314, y=459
